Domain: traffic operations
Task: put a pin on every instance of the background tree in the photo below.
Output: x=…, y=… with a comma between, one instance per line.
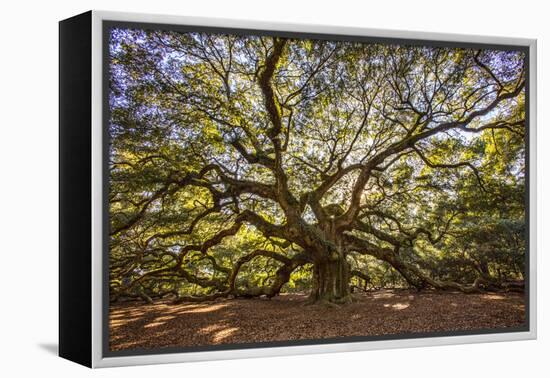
x=239, y=164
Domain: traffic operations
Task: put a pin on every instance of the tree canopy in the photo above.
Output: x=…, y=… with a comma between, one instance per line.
x=246, y=165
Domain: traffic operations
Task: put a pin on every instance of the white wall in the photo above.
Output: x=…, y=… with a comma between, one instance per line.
x=28, y=189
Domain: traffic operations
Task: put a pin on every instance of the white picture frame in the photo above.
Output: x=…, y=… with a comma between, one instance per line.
x=97, y=263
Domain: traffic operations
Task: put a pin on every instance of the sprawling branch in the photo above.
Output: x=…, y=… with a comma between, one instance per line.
x=430, y=164
x=347, y=219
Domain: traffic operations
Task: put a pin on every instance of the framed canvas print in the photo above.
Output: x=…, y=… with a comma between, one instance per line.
x=234, y=189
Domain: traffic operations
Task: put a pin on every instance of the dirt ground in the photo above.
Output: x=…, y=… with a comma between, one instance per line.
x=232, y=321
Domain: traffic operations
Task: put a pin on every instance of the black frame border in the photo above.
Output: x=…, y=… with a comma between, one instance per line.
x=75, y=189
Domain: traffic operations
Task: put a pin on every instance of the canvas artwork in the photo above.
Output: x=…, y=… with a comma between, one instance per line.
x=278, y=189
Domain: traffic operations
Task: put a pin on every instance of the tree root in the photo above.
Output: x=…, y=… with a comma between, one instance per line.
x=321, y=302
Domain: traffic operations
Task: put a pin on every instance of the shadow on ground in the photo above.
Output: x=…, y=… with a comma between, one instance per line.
x=51, y=348
x=137, y=325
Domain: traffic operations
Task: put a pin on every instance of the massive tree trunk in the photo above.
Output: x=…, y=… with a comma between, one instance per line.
x=331, y=281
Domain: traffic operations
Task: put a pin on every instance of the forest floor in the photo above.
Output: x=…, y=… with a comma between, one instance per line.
x=135, y=325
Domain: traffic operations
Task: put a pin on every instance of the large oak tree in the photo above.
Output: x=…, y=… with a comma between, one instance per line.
x=233, y=152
